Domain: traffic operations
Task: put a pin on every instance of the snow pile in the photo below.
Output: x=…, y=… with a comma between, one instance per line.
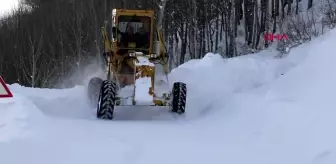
x=220, y=78
x=300, y=110
x=17, y=116
x=142, y=96
x=232, y=74
x=143, y=84
x=69, y=103
x=143, y=61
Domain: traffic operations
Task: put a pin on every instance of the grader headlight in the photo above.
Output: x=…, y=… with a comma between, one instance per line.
x=153, y=55
x=132, y=54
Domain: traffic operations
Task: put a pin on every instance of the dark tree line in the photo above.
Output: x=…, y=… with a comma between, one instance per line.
x=42, y=41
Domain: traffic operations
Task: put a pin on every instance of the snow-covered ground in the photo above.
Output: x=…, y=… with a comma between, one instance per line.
x=253, y=109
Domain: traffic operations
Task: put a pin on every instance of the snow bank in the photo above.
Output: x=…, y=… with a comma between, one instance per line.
x=17, y=116
x=68, y=103
x=231, y=75
x=300, y=109
x=45, y=93
x=219, y=78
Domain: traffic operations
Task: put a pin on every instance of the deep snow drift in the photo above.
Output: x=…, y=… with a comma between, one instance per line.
x=254, y=109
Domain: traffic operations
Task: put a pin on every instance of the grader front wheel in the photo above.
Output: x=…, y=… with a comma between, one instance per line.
x=179, y=98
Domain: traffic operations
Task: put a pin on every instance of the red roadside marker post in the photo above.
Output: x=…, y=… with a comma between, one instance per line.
x=4, y=90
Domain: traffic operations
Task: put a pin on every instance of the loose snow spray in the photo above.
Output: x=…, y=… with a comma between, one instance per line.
x=82, y=74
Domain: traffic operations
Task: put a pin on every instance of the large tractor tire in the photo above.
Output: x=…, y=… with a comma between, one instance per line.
x=179, y=98
x=93, y=90
x=106, y=100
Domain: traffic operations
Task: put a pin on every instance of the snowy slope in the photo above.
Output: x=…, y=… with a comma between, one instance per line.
x=247, y=110
x=16, y=119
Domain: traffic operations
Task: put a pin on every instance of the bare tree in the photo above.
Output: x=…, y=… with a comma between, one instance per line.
x=30, y=66
x=71, y=31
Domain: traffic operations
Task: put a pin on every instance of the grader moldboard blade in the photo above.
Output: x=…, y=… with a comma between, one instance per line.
x=136, y=67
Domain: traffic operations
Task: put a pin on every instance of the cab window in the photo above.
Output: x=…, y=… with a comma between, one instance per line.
x=133, y=32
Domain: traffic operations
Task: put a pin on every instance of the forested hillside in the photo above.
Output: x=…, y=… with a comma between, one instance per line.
x=45, y=41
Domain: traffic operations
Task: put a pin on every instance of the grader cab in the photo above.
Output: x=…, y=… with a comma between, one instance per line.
x=136, y=66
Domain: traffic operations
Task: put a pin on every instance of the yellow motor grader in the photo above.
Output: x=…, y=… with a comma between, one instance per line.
x=136, y=67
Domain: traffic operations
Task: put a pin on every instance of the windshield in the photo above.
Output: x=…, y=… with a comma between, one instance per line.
x=133, y=32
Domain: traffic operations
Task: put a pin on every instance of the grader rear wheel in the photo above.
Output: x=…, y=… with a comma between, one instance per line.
x=106, y=100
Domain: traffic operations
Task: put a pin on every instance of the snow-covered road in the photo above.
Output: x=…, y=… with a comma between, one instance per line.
x=239, y=111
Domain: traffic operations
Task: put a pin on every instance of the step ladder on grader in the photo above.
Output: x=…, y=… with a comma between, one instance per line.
x=136, y=67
